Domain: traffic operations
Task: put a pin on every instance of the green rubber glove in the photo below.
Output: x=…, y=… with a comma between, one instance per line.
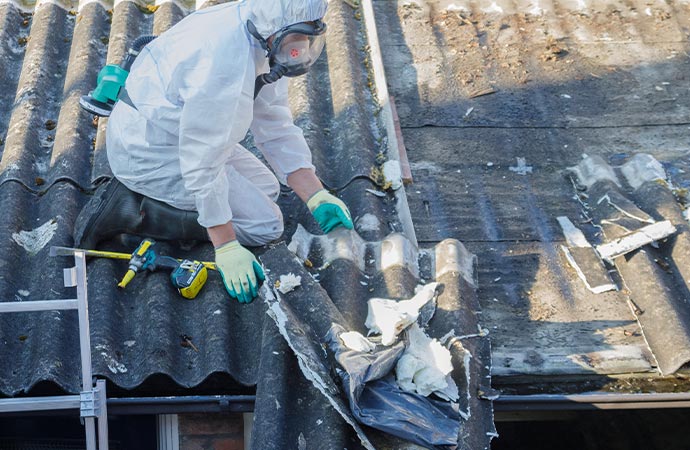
x=329, y=211
x=240, y=271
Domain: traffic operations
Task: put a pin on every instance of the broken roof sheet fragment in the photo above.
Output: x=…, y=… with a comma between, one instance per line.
x=392, y=173
x=659, y=306
x=584, y=259
x=609, y=251
x=451, y=264
x=394, y=250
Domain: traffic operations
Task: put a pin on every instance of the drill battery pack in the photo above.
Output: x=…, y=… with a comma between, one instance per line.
x=189, y=277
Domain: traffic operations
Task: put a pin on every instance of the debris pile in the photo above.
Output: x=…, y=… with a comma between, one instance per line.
x=623, y=226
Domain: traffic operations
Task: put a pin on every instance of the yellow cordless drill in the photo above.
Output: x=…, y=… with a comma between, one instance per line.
x=188, y=276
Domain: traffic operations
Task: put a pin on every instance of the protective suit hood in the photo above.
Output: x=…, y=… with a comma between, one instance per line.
x=270, y=16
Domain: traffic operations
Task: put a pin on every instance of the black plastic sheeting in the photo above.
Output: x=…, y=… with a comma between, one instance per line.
x=376, y=400
x=310, y=318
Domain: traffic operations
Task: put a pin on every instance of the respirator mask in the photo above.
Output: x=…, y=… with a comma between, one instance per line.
x=292, y=51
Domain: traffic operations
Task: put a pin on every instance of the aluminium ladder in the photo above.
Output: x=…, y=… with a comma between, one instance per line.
x=91, y=401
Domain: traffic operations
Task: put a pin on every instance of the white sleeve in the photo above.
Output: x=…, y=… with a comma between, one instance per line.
x=211, y=122
x=280, y=141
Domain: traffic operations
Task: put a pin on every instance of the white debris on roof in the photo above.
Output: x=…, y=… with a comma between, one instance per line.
x=389, y=317
x=301, y=442
x=393, y=174
x=33, y=241
x=522, y=168
x=130, y=343
x=455, y=7
x=355, y=341
x=493, y=8
x=425, y=365
x=113, y=364
x=288, y=282
x=368, y=222
x=376, y=193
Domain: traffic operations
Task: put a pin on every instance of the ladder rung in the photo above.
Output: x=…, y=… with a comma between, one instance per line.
x=39, y=403
x=38, y=305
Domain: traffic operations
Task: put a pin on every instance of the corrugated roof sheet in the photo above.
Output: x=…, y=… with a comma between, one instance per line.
x=53, y=156
x=479, y=85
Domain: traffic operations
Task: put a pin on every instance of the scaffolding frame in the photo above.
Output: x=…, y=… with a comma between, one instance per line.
x=91, y=401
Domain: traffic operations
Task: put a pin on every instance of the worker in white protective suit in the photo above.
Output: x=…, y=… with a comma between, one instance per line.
x=173, y=138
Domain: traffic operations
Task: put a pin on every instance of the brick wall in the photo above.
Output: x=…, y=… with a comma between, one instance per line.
x=211, y=431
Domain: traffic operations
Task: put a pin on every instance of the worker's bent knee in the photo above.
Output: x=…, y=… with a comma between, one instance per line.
x=260, y=232
x=272, y=188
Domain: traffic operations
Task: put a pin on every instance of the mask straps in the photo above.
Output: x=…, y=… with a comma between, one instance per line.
x=277, y=70
x=254, y=32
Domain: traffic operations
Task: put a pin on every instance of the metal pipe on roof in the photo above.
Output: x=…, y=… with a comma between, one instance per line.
x=551, y=402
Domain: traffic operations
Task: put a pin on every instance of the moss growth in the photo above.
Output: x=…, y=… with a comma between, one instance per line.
x=379, y=178
x=148, y=9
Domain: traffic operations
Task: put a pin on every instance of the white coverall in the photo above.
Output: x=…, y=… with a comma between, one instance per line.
x=193, y=89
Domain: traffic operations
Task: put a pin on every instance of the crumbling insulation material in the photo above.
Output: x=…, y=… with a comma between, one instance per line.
x=288, y=282
x=355, y=341
x=425, y=366
x=389, y=317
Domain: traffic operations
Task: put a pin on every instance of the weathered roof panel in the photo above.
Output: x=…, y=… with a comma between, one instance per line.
x=482, y=86
x=53, y=156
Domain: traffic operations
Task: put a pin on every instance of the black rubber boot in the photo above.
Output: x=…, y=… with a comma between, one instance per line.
x=114, y=209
